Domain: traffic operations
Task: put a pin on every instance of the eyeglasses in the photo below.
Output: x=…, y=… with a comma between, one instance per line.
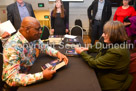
x=38, y=29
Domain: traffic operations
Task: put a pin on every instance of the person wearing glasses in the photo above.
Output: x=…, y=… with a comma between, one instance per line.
x=124, y=11
x=112, y=61
x=19, y=55
x=59, y=19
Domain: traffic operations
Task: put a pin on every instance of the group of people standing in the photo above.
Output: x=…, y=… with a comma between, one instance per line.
x=20, y=9
x=102, y=11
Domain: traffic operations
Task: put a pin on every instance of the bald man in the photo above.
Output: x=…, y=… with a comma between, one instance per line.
x=19, y=55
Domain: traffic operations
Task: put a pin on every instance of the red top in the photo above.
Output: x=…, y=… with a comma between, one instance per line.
x=121, y=13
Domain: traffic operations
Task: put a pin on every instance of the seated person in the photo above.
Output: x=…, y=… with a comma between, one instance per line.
x=19, y=55
x=112, y=62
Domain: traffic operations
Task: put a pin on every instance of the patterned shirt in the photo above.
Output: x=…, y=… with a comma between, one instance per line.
x=19, y=55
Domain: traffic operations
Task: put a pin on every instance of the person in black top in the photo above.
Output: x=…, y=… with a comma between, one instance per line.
x=59, y=19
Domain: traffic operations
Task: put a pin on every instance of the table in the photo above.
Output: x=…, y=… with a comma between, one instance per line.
x=76, y=76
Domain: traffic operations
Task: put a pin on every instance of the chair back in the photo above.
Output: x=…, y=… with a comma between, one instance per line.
x=79, y=23
x=77, y=30
x=45, y=33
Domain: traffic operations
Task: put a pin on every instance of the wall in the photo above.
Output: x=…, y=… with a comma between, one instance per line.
x=3, y=12
x=47, y=5
x=78, y=10
x=6, y=2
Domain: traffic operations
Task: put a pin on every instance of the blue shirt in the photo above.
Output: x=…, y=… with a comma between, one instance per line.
x=22, y=11
x=100, y=9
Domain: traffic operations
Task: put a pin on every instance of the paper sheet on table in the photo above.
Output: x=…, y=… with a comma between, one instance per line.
x=7, y=27
x=70, y=36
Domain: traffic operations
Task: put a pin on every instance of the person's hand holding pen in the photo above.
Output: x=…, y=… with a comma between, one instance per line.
x=62, y=57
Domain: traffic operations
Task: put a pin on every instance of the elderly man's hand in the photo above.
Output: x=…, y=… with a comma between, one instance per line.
x=62, y=57
x=81, y=49
x=48, y=73
x=5, y=34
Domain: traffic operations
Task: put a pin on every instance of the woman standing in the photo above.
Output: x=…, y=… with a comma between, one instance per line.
x=112, y=62
x=123, y=11
x=59, y=19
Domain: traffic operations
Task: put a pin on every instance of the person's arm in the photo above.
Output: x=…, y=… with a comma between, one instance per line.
x=32, y=11
x=107, y=61
x=47, y=49
x=89, y=11
x=66, y=22
x=5, y=34
x=133, y=12
x=52, y=22
x=109, y=11
x=66, y=19
x=1, y=33
x=52, y=52
x=11, y=68
x=95, y=48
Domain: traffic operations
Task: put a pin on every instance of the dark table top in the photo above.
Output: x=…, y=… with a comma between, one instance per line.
x=76, y=76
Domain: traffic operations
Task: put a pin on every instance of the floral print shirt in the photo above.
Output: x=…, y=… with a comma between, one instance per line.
x=18, y=56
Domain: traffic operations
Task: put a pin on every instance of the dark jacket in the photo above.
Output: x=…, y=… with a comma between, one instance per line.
x=106, y=13
x=14, y=16
x=111, y=67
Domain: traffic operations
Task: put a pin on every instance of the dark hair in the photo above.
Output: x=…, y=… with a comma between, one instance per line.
x=78, y=22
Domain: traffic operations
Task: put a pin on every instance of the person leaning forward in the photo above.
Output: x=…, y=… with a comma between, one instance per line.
x=18, y=59
x=112, y=62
